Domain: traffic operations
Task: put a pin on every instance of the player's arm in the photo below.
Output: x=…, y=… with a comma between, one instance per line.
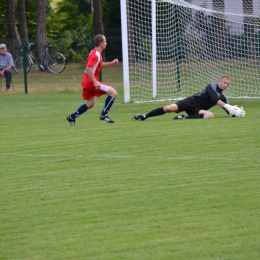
x=221, y=103
x=211, y=89
x=110, y=63
x=90, y=73
x=232, y=110
x=224, y=106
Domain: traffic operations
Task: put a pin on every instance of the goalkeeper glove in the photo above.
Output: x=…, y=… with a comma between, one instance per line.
x=232, y=110
x=235, y=110
x=228, y=108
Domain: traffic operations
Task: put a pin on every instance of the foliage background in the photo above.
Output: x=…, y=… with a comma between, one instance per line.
x=69, y=26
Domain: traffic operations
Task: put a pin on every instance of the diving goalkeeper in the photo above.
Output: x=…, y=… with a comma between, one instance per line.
x=197, y=106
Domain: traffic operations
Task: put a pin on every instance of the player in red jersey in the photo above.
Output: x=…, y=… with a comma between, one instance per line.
x=92, y=87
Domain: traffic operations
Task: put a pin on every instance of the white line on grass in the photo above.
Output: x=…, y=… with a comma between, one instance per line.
x=111, y=156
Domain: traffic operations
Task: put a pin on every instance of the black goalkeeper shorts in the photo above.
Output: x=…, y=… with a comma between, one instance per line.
x=189, y=105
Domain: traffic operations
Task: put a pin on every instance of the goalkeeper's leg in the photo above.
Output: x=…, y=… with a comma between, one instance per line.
x=162, y=110
x=206, y=114
x=156, y=112
x=198, y=116
x=201, y=114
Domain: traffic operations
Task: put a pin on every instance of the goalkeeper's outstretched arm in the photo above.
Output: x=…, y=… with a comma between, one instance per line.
x=232, y=110
x=224, y=105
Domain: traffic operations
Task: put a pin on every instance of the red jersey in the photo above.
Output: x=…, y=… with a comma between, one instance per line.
x=94, y=61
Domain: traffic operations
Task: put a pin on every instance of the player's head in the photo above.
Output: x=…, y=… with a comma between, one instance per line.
x=224, y=82
x=100, y=41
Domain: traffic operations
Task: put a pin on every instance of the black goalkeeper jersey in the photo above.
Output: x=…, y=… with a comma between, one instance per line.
x=209, y=96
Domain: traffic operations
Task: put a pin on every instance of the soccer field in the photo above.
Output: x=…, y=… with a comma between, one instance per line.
x=157, y=189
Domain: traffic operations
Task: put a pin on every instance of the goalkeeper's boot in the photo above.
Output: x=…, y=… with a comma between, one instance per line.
x=107, y=119
x=180, y=117
x=71, y=120
x=140, y=116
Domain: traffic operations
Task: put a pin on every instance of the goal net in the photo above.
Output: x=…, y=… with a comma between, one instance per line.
x=174, y=48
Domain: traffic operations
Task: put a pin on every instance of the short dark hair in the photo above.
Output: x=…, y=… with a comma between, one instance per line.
x=99, y=38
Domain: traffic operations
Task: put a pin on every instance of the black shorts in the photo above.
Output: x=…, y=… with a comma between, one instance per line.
x=189, y=105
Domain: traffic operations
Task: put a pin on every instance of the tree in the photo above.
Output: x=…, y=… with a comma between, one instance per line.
x=98, y=25
x=72, y=22
x=111, y=17
x=22, y=20
x=41, y=29
x=69, y=16
x=3, y=21
x=16, y=41
x=84, y=6
x=75, y=30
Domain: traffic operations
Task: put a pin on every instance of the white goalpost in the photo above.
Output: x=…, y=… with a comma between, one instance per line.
x=175, y=48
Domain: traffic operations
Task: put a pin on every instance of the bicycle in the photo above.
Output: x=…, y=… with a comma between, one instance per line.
x=55, y=62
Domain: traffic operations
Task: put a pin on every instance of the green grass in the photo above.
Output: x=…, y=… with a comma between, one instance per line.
x=69, y=80
x=158, y=189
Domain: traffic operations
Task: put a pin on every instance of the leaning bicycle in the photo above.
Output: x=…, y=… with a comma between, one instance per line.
x=55, y=62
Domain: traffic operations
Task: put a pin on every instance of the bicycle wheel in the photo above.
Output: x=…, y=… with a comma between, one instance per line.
x=18, y=64
x=55, y=62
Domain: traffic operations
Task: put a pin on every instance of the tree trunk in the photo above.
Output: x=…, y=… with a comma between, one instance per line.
x=98, y=24
x=16, y=40
x=22, y=20
x=41, y=29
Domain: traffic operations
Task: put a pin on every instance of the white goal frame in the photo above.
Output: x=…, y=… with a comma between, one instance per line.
x=245, y=78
